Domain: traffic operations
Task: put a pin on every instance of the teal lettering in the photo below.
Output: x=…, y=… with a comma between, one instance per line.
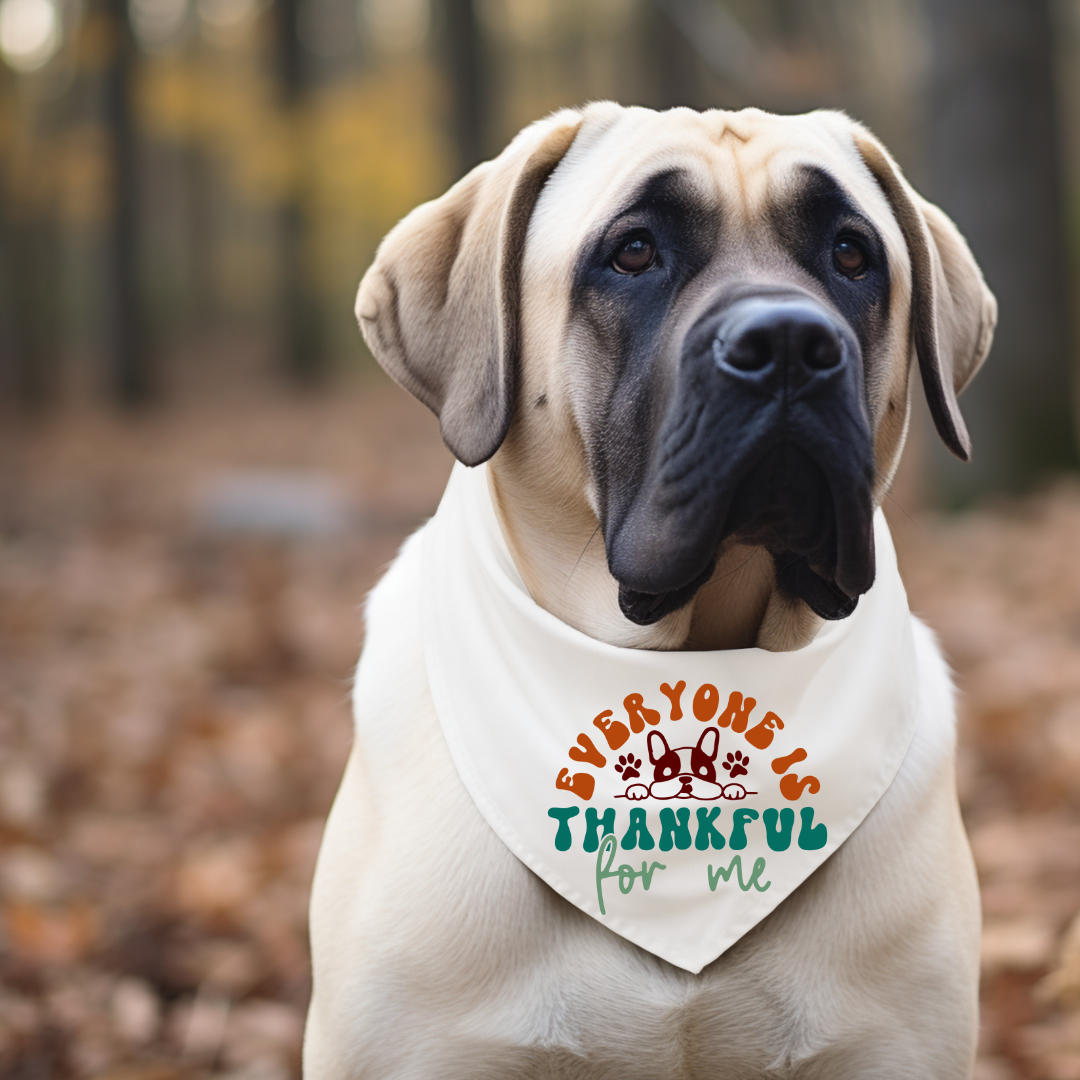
x=597, y=826
x=627, y=875
x=736, y=866
x=779, y=838
x=738, y=829
x=679, y=832
x=706, y=831
x=563, y=814
x=609, y=845
x=638, y=834
x=811, y=837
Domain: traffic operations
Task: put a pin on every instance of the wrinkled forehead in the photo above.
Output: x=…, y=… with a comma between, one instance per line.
x=743, y=166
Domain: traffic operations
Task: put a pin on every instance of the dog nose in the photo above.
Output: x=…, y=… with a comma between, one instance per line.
x=762, y=336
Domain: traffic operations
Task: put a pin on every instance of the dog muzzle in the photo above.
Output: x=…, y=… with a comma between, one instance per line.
x=676, y=797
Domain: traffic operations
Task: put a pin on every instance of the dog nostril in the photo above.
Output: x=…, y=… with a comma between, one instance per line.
x=750, y=351
x=821, y=350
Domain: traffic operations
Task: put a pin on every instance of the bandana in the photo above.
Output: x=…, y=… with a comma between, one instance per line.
x=676, y=797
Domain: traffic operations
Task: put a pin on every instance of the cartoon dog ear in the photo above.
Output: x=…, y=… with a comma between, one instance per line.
x=656, y=754
x=953, y=313
x=712, y=736
x=440, y=306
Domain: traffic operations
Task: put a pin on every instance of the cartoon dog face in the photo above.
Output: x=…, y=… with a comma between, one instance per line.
x=686, y=772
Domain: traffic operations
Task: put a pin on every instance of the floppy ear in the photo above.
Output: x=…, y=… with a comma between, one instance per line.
x=952, y=311
x=656, y=753
x=440, y=306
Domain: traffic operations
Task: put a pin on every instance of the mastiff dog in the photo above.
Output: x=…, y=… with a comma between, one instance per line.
x=683, y=343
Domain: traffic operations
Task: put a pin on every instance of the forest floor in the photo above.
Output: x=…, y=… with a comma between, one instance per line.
x=179, y=616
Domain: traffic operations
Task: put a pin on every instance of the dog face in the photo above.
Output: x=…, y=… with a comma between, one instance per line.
x=728, y=348
x=690, y=330
x=686, y=772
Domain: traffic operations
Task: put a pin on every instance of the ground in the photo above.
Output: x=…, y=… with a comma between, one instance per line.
x=179, y=613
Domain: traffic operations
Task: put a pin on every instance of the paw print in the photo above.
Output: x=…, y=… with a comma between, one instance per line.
x=629, y=766
x=736, y=763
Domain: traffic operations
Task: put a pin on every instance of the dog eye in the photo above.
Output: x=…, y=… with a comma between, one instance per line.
x=636, y=254
x=848, y=258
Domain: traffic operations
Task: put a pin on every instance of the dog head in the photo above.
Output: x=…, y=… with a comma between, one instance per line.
x=689, y=332
x=677, y=772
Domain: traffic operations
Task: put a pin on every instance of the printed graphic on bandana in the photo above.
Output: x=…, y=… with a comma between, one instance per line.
x=700, y=782
x=676, y=797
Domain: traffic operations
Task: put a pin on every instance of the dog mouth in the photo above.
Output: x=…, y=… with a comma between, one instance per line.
x=645, y=608
x=786, y=506
x=783, y=504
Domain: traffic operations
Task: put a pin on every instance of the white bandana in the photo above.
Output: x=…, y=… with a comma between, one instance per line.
x=676, y=797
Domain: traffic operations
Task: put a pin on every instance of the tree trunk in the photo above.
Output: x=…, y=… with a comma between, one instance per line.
x=466, y=73
x=130, y=375
x=32, y=288
x=301, y=342
x=994, y=165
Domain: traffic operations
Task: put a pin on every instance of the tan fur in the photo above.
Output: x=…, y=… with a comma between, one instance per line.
x=870, y=969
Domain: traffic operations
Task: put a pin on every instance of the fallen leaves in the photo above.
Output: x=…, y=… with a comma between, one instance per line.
x=1002, y=588
x=51, y=934
x=174, y=720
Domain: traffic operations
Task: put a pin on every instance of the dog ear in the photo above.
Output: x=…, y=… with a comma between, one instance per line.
x=654, y=755
x=952, y=311
x=439, y=307
x=715, y=741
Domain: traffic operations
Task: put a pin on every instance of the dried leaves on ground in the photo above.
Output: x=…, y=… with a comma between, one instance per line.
x=179, y=613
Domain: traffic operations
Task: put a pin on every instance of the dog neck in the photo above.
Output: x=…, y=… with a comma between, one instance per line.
x=557, y=546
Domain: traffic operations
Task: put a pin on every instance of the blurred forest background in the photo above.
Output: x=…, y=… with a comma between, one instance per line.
x=202, y=472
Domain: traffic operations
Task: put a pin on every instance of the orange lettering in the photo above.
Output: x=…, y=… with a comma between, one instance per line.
x=675, y=697
x=581, y=784
x=791, y=787
x=614, y=731
x=706, y=702
x=782, y=764
x=638, y=714
x=590, y=754
x=760, y=735
x=737, y=713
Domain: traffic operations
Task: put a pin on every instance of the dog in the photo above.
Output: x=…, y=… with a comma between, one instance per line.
x=688, y=772
x=683, y=342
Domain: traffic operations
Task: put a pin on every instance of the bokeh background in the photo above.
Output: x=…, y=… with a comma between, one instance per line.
x=202, y=471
